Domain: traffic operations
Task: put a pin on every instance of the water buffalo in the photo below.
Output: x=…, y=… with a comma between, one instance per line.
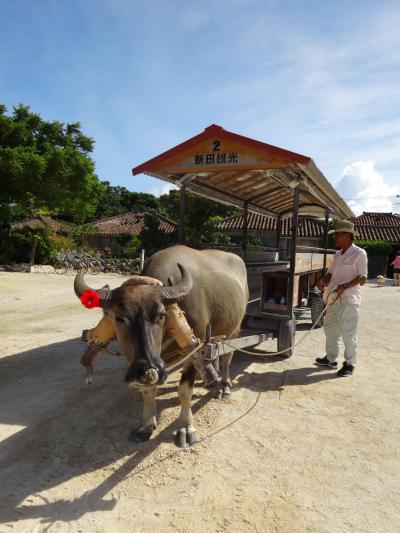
x=211, y=288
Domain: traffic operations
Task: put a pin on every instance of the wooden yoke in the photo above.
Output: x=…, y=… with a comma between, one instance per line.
x=102, y=333
x=175, y=323
x=178, y=328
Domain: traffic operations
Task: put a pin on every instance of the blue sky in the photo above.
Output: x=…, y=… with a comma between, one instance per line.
x=316, y=77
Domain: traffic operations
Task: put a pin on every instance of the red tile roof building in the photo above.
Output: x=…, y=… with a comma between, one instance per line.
x=370, y=226
x=308, y=227
x=379, y=226
x=43, y=222
x=131, y=223
x=108, y=231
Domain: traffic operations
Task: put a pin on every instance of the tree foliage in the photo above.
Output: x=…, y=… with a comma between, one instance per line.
x=154, y=239
x=115, y=200
x=375, y=248
x=199, y=214
x=18, y=248
x=46, y=168
x=45, y=165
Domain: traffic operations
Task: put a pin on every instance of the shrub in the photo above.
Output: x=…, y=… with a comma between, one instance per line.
x=381, y=248
x=17, y=246
x=255, y=242
x=61, y=241
x=210, y=235
x=132, y=247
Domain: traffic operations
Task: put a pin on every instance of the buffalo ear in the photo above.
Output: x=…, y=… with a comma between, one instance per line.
x=181, y=289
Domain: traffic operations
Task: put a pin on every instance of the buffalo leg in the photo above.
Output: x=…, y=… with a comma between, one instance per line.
x=224, y=390
x=186, y=433
x=149, y=419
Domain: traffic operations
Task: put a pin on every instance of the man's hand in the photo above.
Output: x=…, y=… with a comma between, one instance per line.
x=324, y=280
x=340, y=290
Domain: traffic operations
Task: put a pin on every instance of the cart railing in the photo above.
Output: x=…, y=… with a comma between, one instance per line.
x=314, y=249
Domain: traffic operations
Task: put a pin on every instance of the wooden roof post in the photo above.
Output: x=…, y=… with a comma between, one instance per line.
x=33, y=250
x=326, y=236
x=182, y=209
x=278, y=234
x=295, y=223
x=245, y=214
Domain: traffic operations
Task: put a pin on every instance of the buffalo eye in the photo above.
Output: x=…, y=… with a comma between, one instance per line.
x=161, y=315
x=119, y=319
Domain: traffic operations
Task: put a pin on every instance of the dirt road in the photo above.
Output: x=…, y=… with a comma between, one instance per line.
x=296, y=449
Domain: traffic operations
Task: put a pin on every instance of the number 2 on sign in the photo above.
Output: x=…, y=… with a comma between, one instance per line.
x=216, y=146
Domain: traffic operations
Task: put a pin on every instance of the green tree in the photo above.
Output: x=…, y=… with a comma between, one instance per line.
x=18, y=247
x=132, y=247
x=200, y=214
x=152, y=237
x=45, y=165
x=115, y=200
x=211, y=236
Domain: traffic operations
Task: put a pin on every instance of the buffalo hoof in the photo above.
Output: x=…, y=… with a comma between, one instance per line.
x=136, y=435
x=224, y=392
x=186, y=437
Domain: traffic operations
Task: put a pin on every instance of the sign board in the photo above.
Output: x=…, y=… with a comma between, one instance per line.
x=218, y=154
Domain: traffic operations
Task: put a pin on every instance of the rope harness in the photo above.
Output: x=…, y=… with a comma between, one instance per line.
x=206, y=371
x=170, y=369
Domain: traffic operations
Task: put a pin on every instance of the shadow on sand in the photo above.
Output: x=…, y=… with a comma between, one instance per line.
x=70, y=429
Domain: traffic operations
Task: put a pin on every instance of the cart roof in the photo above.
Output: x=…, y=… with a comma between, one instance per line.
x=232, y=169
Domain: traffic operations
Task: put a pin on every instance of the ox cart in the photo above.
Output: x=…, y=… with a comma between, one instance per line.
x=284, y=294
x=260, y=178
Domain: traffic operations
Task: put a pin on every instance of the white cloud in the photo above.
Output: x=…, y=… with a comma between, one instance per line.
x=364, y=189
x=163, y=189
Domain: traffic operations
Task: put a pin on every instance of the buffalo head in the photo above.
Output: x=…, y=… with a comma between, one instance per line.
x=138, y=309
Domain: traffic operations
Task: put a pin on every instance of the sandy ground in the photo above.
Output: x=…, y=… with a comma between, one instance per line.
x=296, y=449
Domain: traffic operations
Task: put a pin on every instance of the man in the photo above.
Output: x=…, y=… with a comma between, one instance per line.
x=347, y=272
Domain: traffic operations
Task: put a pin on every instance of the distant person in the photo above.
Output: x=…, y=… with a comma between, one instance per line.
x=396, y=269
x=348, y=270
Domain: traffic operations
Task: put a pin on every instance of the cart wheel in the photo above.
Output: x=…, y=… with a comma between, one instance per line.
x=317, y=305
x=287, y=330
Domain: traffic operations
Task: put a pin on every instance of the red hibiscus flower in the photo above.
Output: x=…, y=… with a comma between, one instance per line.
x=90, y=299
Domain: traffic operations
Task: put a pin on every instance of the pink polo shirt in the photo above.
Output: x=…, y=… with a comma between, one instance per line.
x=396, y=262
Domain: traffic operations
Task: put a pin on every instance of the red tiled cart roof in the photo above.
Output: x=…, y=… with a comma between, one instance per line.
x=255, y=166
x=131, y=223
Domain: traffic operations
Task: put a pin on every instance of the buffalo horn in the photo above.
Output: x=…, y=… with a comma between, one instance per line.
x=180, y=289
x=80, y=286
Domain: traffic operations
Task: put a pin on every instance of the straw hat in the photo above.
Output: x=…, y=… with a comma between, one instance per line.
x=344, y=226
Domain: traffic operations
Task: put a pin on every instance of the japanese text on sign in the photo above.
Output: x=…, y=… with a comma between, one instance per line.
x=216, y=159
